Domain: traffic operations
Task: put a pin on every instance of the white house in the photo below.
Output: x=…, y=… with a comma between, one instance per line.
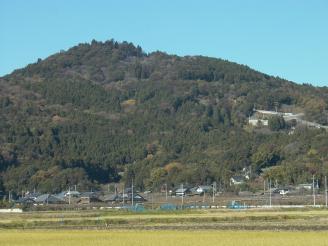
x=203, y=188
x=257, y=122
x=283, y=192
x=237, y=180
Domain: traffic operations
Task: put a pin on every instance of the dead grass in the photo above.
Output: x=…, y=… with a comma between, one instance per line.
x=162, y=238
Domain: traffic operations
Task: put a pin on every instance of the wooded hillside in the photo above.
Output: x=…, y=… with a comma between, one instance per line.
x=105, y=112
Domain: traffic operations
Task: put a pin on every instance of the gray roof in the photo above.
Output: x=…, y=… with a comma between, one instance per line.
x=119, y=197
x=47, y=198
x=238, y=178
x=109, y=198
x=205, y=187
x=25, y=200
x=90, y=194
x=181, y=190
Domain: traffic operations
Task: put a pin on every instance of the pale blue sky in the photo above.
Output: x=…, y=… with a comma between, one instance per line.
x=286, y=38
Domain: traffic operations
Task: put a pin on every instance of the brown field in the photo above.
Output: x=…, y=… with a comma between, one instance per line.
x=218, y=219
x=162, y=238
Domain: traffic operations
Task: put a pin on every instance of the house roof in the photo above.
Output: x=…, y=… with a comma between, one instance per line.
x=109, y=197
x=238, y=178
x=32, y=195
x=72, y=193
x=47, y=198
x=90, y=194
x=205, y=187
x=25, y=200
x=138, y=197
x=61, y=195
x=119, y=197
x=181, y=190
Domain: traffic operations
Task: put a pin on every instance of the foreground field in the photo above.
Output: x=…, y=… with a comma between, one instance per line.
x=305, y=219
x=161, y=238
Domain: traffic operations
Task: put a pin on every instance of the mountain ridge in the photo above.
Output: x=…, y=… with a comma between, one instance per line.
x=107, y=111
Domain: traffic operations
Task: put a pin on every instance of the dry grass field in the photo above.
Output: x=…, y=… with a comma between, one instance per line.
x=161, y=238
x=216, y=219
x=194, y=227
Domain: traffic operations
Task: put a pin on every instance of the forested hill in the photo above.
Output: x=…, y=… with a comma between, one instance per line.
x=107, y=112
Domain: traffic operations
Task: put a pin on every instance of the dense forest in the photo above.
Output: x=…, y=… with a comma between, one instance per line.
x=105, y=112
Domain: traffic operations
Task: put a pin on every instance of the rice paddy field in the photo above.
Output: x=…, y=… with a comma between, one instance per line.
x=162, y=238
x=204, y=227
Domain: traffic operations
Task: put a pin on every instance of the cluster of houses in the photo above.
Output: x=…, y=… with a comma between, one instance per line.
x=199, y=190
x=129, y=196
x=261, y=117
x=126, y=196
x=76, y=197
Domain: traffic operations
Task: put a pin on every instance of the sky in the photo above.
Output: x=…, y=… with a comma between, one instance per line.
x=285, y=38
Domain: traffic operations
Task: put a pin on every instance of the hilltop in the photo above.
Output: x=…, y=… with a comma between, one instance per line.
x=105, y=112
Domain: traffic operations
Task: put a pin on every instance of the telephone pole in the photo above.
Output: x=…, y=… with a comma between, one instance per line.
x=123, y=194
x=313, y=188
x=270, y=193
x=264, y=186
x=69, y=195
x=214, y=191
x=326, y=191
x=132, y=193
x=165, y=191
x=204, y=196
x=182, y=196
x=152, y=200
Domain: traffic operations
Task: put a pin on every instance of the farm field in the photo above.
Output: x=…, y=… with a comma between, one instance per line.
x=162, y=237
x=226, y=227
x=209, y=219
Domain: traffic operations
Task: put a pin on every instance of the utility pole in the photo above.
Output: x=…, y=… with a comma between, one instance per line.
x=123, y=194
x=182, y=196
x=270, y=193
x=214, y=191
x=313, y=188
x=326, y=191
x=152, y=200
x=165, y=191
x=264, y=196
x=263, y=186
x=204, y=196
x=132, y=194
x=69, y=195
